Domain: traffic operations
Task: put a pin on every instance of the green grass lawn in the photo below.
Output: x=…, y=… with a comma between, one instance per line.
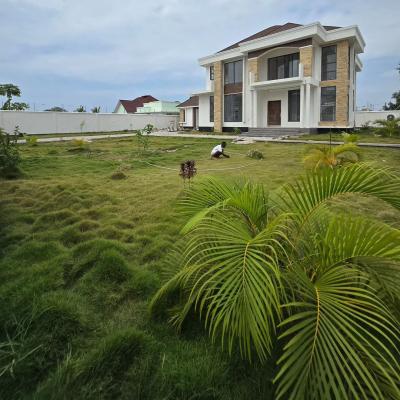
x=81, y=255
x=364, y=137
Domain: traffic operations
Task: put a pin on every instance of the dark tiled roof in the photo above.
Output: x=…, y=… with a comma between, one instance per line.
x=132, y=105
x=270, y=31
x=190, y=102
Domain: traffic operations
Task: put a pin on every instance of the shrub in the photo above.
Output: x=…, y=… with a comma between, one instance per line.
x=9, y=155
x=350, y=137
x=143, y=137
x=31, y=140
x=257, y=155
x=388, y=128
x=118, y=175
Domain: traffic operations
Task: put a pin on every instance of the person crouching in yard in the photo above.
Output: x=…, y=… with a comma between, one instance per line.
x=218, y=151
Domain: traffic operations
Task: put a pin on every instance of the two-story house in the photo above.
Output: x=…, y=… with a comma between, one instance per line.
x=298, y=77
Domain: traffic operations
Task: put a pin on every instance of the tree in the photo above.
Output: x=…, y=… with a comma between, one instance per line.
x=281, y=273
x=95, y=110
x=396, y=97
x=388, y=127
x=56, y=109
x=19, y=106
x=81, y=109
x=9, y=90
x=332, y=156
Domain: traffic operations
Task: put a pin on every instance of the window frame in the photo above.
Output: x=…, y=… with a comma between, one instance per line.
x=283, y=67
x=211, y=76
x=233, y=65
x=326, y=66
x=297, y=110
x=324, y=116
x=231, y=116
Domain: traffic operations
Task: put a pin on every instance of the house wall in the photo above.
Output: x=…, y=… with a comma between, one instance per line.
x=188, y=122
x=204, y=111
x=64, y=122
x=120, y=110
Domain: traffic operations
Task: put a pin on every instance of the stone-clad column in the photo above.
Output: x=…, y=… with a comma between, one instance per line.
x=218, y=96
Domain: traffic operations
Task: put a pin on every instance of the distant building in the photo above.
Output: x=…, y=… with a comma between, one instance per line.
x=189, y=113
x=130, y=106
x=159, y=107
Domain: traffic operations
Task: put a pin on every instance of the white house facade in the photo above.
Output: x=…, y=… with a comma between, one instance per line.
x=291, y=76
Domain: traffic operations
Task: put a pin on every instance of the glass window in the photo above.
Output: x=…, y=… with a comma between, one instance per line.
x=233, y=72
x=233, y=108
x=328, y=103
x=282, y=67
x=211, y=72
x=328, y=63
x=211, y=108
x=294, y=105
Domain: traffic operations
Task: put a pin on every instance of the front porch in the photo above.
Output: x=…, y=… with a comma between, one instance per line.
x=284, y=103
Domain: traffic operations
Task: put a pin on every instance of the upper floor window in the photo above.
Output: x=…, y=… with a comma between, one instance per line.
x=282, y=67
x=233, y=72
x=328, y=103
x=328, y=63
x=211, y=72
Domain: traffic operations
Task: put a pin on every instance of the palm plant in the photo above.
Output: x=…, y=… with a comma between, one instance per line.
x=268, y=272
x=9, y=90
x=389, y=127
x=332, y=156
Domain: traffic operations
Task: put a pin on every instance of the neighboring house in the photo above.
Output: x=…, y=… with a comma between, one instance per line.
x=287, y=77
x=159, y=107
x=130, y=106
x=189, y=113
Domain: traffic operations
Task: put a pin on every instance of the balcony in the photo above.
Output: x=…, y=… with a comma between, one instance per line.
x=278, y=83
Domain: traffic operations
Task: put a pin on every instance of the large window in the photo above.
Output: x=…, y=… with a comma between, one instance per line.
x=328, y=63
x=211, y=72
x=283, y=66
x=233, y=108
x=294, y=105
x=211, y=108
x=328, y=103
x=233, y=72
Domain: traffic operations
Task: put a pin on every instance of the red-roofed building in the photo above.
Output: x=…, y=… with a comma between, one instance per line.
x=130, y=106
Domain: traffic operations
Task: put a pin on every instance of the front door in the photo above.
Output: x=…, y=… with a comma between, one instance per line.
x=274, y=112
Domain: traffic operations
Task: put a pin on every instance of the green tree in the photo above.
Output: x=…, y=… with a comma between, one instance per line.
x=80, y=109
x=281, y=273
x=389, y=127
x=56, y=109
x=95, y=110
x=9, y=90
x=396, y=97
x=19, y=106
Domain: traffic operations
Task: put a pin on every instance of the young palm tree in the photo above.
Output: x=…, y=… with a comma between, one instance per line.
x=258, y=268
x=331, y=157
x=390, y=127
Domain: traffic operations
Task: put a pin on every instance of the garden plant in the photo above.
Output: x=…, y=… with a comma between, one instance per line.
x=280, y=275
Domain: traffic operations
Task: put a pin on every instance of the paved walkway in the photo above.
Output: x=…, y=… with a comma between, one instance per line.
x=202, y=136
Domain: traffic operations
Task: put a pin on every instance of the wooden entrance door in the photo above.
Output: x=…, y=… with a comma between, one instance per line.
x=274, y=112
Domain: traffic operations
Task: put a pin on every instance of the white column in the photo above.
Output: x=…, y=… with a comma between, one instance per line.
x=255, y=109
x=308, y=106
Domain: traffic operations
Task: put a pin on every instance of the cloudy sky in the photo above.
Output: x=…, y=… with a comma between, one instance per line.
x=94, y=52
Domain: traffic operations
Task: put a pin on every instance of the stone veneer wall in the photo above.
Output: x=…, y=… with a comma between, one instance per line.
x=218, y=96
x=181, y=115
x=306, y=58
x=342, y=86
x=253, y=68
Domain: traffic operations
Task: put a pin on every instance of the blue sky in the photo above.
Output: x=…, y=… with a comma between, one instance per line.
x=94, y=52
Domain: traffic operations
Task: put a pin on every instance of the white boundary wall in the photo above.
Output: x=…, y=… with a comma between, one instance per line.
x=362, y=117
x=65, y=122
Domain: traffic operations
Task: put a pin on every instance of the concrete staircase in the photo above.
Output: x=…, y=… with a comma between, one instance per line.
x=275, y=132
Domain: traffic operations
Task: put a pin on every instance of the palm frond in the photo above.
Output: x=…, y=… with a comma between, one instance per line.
x=341, y=341
x=309, y=192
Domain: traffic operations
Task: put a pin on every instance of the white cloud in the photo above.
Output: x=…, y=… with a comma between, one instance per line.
x=129, y=42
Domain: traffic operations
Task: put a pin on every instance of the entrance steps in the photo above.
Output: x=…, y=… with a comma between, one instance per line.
x=276, y=132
